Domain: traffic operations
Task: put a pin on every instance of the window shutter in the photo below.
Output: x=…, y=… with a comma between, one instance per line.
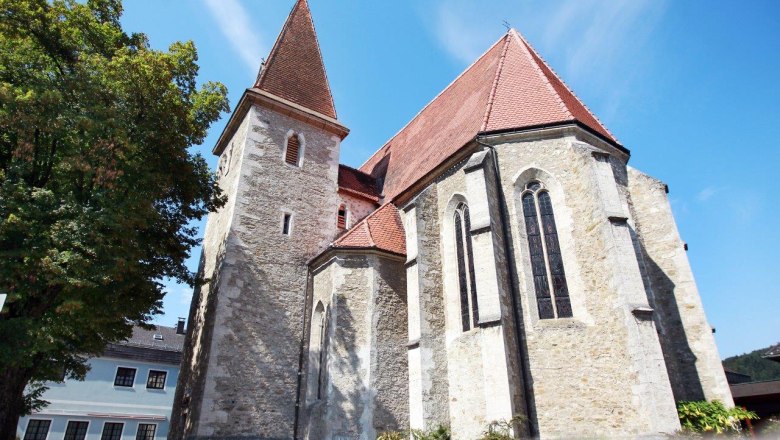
x=293, y=149
x=342, y=217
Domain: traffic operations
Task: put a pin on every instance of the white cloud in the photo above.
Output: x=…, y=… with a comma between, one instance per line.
x=706, y=194
x=233, y=21
x=593, y=42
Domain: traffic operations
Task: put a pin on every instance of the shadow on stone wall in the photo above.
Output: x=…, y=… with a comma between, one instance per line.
x=680, y=359
x=348, y=408
x=255, y=378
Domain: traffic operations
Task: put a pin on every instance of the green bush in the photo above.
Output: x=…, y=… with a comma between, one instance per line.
x=439, y=433
x=392, y=435
x=711, y=417
x=502, y=429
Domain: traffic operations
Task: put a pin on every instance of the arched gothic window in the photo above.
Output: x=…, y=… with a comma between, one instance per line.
x=317, y=350
x=465, y=258
x=341, y=217
x=292, y=153
x=552, y=293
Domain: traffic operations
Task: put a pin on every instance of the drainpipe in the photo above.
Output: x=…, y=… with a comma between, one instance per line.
x=513, y=285
x=301, y=352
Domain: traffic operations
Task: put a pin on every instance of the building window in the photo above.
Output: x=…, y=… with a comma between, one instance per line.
x=76, y=430
x=145, y=431
x=286, y=223
x=342, y=217
x=124, y=377
x=112, y=431
x=466, y=283
x=293, y=150
x=156, y=379
x=37, y=429
x=552, y=293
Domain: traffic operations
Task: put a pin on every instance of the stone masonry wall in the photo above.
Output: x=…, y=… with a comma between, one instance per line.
x=262, y=281
x=586, y=370
x=365, y=371
x=189, y=390
x=691, y=355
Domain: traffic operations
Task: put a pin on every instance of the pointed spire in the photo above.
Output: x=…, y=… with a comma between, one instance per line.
x=294, y=70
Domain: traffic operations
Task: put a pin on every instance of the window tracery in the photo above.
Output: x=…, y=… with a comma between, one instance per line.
x=552, y=292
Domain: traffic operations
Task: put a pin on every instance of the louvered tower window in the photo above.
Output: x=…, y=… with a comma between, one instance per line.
x=466, y=283
x=292, y=153
x=341, y=218
x=552, y=293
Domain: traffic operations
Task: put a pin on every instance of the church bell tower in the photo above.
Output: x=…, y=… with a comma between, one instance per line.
x=278, y=166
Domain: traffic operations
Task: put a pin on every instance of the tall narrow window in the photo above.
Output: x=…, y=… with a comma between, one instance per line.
x=552, y=294
x=293, y=150
x=317, y=350
x=341, y=218
x=286, y=223
x=465, y=258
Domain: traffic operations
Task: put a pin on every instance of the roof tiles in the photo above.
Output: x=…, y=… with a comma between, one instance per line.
x=382, y=230
x=358, y=183
x=294, y=69
x=508, y=87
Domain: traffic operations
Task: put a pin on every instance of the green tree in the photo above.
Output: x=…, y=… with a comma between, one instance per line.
x=98, y=186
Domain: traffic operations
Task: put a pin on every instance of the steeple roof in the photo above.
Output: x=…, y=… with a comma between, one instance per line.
x=294, y=69
x=508, y=87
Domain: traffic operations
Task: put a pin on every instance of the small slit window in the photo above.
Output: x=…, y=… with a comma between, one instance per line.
x=286, y=223
x=293, y=150
x=552, y=293
x=341, y=219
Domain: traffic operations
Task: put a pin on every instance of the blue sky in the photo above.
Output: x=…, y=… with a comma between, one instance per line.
x=691, y=88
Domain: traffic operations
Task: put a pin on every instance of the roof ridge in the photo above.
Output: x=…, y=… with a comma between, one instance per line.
x=499, y=69
x=470, y=66
x=324, y=70
x=275, y=47
x=294, y=70
x=566, y=86
x=527, y=48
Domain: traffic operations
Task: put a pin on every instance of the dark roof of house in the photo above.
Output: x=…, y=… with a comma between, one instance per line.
x=510, y=87
x=773, y=353
x=142, y=346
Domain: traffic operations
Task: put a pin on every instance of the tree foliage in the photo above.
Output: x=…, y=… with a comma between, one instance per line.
x=754, y=365
x=98, y=186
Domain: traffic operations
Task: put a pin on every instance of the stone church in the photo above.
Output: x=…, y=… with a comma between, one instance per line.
x=496, y=258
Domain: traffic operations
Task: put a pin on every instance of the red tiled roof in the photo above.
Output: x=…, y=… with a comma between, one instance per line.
x=358, y=183
x=382, y=229
x=508, y=87
x=294, y=69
